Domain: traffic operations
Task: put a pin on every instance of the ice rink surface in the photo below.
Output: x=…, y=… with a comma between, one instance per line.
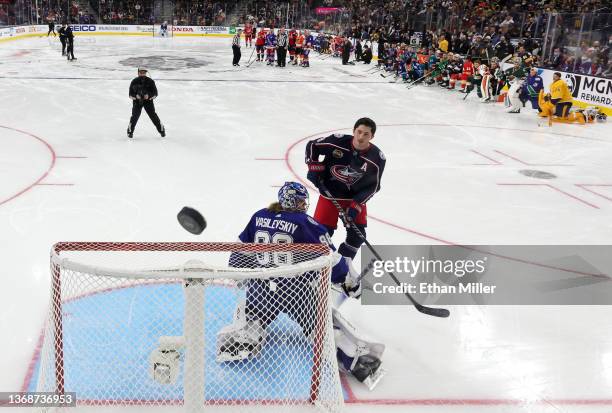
x=68, y=173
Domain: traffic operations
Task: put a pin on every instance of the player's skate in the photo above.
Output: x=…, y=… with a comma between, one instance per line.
x=240, y=340
x=130, y=131
x=162, y=131
x=357, y=356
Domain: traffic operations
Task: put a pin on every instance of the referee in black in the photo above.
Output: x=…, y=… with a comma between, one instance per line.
x=142, y=92
x=236, y=48
x=62, y=36
x=69, y=43
x=282, y=40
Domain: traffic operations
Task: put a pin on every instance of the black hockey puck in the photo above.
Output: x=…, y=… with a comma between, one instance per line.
x=191, y=220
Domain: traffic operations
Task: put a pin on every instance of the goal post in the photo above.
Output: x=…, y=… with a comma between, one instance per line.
x=134, y=324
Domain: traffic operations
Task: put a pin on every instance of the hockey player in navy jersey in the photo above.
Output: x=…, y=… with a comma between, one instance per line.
x=309, y=39
x=270, y=47
x=531, y=88
x=286, y=221
x=351, y=170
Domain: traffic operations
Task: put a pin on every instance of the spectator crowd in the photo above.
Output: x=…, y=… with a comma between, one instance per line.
x=565, y=35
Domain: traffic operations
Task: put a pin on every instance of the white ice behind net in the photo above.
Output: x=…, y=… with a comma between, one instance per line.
x=115, y=304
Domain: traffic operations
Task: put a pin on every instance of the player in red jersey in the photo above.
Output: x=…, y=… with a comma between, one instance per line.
x=260, y=41
x=467, y=72
x=292, y=39
x=248, y=35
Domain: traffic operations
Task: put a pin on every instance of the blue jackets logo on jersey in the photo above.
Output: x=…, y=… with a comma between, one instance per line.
x=346, y=174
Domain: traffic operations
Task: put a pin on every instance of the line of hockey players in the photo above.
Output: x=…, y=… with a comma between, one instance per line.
x=299, y=45
x=512, y=77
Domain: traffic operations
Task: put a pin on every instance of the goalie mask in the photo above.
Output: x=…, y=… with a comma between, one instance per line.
x=293, y=196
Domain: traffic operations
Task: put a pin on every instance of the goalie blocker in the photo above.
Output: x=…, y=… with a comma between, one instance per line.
x=286, y=221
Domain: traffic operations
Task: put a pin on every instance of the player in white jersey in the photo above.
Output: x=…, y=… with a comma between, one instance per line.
x=163, y=29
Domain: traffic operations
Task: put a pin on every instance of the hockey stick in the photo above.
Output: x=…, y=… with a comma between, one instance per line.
x=467, y=93
x=249, y=62
x=390, y=74
x=413, y=84
x=436, y=312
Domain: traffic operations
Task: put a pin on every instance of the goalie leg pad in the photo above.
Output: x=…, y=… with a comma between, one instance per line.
x=240, y=340
x=360, y=357
x=164, y=365
x=513, y=98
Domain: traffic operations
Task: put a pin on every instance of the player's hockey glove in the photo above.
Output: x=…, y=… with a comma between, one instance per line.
x=353, y=210
x=352, y=282
x=314, y=172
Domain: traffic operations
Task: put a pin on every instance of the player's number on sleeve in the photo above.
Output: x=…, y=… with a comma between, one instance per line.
x=278, y=258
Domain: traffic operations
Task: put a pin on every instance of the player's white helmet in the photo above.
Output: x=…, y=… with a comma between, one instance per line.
x=293, y=196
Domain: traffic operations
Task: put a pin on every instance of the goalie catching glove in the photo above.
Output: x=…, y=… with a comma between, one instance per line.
x=346, y=276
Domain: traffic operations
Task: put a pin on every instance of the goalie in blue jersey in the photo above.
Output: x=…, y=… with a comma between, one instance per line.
x=286, y=221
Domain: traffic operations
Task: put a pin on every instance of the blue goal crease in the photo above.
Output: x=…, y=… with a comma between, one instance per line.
x=107, y=358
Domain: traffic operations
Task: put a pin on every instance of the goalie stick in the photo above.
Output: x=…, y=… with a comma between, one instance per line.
x=435, y=312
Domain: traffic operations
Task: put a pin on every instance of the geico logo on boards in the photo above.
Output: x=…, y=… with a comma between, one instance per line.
x=83, y=28
x=182, y=29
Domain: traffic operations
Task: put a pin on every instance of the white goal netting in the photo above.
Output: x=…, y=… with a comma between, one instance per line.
x=140, y=324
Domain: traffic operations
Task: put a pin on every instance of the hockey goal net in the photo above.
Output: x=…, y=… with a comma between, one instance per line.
x=159, y=31
x=133, y=324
